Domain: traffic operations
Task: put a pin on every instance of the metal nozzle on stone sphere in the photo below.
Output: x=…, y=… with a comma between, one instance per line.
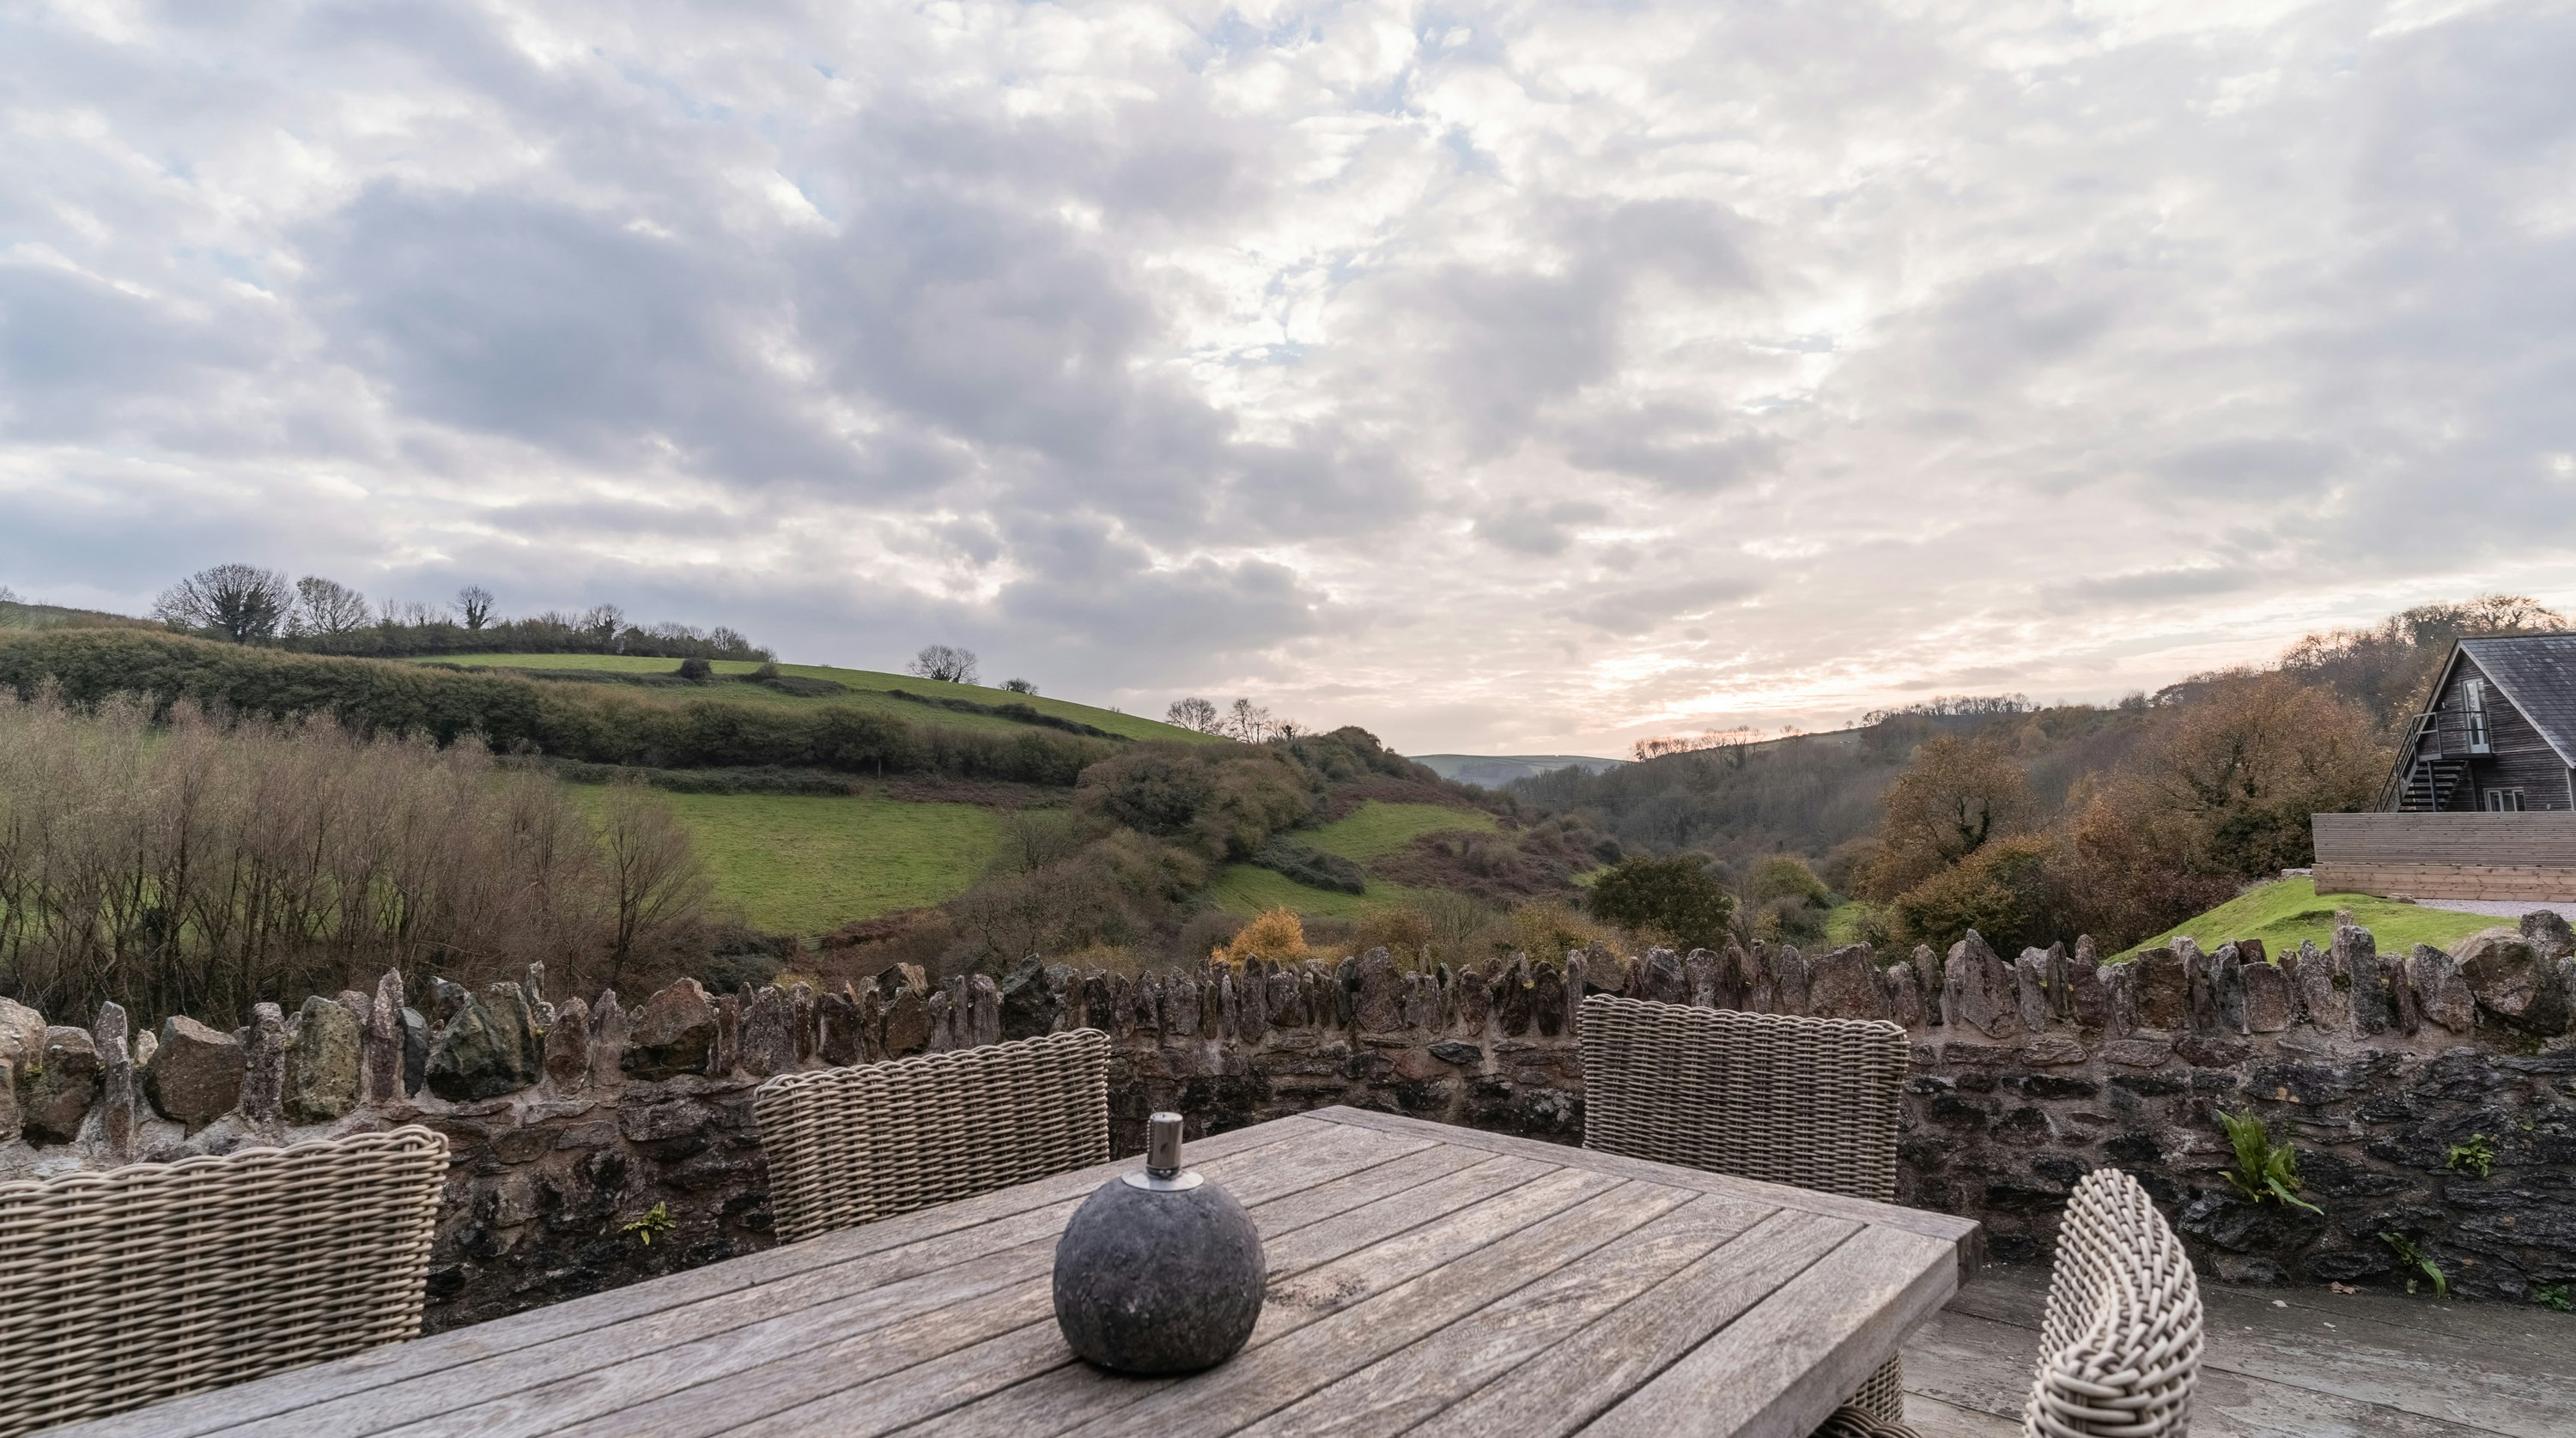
x=1163, y=1172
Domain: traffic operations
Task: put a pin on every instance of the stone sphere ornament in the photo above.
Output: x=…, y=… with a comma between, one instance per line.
x=1159, y=1271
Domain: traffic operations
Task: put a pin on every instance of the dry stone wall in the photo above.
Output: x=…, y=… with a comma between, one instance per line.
x=2430, y=1096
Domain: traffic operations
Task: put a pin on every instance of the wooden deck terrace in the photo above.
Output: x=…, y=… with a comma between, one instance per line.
x=2293, y=1361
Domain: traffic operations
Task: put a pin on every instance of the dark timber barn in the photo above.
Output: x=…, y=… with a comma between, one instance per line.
x=2500, y=734
x=2481, y=803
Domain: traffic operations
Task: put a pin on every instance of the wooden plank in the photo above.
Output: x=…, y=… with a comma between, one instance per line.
x=1562, y=1385
x=397, y=1363
x=2455, y=1362
x=1264, y=1380
x=1314, y=1273
x=1980, y=1365
x=617, y=1367
x=1414, y=1385
x=807, y=1375
x=1963, y=1233
x=1932, y=1418
x=1777, y=1371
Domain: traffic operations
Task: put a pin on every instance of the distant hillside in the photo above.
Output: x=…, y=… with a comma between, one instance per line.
x=1812, y=793
x=1493, y=771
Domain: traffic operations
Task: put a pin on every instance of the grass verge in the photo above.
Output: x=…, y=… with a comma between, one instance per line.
x=2287, y=910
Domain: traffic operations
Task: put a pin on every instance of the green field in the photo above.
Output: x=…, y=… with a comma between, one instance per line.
x=1371, y=831
x=869, y=692
x=807, y=864
x=1376, y=829
x=2288, y=910
x=1249, y=889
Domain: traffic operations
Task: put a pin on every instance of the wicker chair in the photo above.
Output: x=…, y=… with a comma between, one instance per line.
x=2120, y=1347
x=1809, y=1102
x=853, y=1145
x=131, y=1285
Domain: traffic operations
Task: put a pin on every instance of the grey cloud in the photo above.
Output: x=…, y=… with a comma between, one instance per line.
x=1642, y=609
x=1539, y=531
x=2151, y=586
x=2251, y=468
x=1686, y=451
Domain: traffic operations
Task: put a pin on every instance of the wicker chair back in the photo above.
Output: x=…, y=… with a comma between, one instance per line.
x=1780, y=1097
x=2120, y=1347
x=1810, y=1102
x=131, y=1285
x=853, y=1145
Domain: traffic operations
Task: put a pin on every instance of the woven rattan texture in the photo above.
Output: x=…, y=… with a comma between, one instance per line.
x=128, y=1286
x=2120, y=1347
x=1809, y=1102
x=853, y=1145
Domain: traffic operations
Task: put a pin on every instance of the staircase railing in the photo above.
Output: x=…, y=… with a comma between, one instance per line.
x=2392, y=792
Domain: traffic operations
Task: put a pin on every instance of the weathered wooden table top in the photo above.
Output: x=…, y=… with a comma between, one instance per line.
x=1422, y=1279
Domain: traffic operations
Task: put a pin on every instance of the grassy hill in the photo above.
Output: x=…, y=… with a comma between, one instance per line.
x=821, y=797
x=1372, y=831
x=805, y=864
x=866, y=688
x=2288, y=910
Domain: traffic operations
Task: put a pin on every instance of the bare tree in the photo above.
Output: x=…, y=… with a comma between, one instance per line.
x=1249, y=722
x=325, y=606
x=601, y=624
x=654, y=876
x=945, y=663
x=239, y=601
x=1193, y=713
x=474, y=606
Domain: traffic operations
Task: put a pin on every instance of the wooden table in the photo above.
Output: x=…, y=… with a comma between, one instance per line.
x=1423, y=1279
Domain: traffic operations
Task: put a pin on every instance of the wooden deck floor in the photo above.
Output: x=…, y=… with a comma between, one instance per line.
x=2277, y=1361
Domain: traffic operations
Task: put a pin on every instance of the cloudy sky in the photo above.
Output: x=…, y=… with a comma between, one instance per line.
x=1505, y=378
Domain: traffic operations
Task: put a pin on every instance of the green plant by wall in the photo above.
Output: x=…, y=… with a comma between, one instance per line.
x=2263, y=1170
x=656, y=1219
x=2477, y=1155
x=2553, y=1296
x=2417, y=1259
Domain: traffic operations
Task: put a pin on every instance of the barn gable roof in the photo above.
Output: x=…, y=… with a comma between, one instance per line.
x=2537, y=673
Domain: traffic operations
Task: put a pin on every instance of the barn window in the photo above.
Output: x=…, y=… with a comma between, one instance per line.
x=2473, y=699
x=2504, y=801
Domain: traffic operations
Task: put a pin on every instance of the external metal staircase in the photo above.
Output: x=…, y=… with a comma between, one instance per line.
x=2439, y=744
x=2430, y=783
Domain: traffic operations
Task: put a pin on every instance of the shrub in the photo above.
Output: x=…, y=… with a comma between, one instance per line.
x=696, y=670
x=2004, y=891
x=201, y=868
x=1311, y=866
x=1677, y=897
x=1275, y=935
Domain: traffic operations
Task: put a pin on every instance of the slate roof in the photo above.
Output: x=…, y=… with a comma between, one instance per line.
x=2537, y=672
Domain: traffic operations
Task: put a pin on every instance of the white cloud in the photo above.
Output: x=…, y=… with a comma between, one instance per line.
x=1436, y=369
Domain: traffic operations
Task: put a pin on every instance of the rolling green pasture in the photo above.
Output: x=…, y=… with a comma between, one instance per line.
x=1249, y=889
x=2288, y=910
x=868, y=691
x=1376, y=829
x=807, y=864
